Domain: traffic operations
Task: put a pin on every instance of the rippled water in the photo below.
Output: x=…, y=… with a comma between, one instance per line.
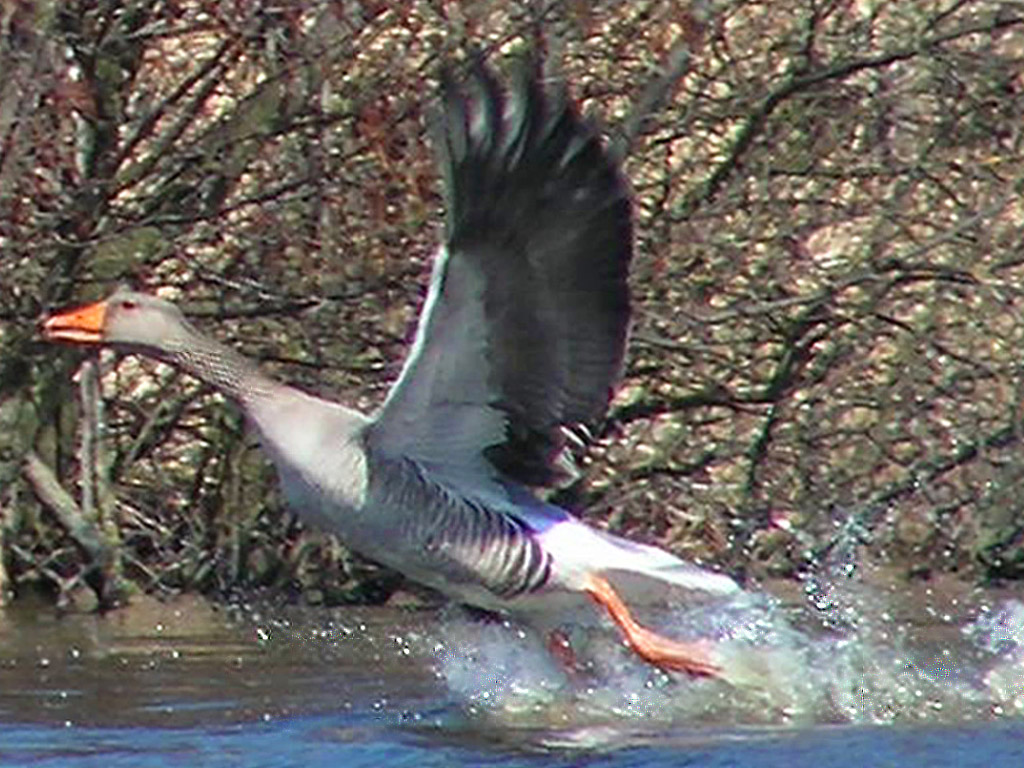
x=838, y=672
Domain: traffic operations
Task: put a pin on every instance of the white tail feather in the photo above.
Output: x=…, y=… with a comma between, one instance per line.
x=640, y=571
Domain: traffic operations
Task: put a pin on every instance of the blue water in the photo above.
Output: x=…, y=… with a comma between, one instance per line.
x=875, y=683
x=355, y=741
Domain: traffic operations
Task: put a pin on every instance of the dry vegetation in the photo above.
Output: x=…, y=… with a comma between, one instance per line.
x=828, y=272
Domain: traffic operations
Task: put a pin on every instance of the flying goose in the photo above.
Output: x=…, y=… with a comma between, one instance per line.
x=522, y=336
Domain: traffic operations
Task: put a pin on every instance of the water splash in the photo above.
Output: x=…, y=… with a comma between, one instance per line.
x=849, y=652
x=1000, y=632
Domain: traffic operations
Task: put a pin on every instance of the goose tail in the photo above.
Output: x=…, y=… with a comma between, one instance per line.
x=644, y=573
x=640, y=572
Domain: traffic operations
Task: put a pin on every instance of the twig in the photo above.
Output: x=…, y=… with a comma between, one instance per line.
x=52, y=494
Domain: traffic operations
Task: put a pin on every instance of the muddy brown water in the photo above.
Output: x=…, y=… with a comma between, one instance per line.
x=839, y=672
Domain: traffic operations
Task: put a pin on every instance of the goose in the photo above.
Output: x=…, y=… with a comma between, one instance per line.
x=522, y=335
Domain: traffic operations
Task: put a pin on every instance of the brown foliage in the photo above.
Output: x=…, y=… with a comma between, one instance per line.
x=827, y=303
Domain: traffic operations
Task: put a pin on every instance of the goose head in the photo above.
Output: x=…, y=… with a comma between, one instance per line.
x=125, y=319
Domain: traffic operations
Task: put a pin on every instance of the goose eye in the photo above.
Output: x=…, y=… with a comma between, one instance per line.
x=129, y=304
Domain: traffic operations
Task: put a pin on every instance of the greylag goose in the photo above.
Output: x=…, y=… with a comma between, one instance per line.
x=522, y=335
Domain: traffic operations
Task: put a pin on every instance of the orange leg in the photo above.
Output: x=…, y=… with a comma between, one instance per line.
x=560, y=648
x=692, y=658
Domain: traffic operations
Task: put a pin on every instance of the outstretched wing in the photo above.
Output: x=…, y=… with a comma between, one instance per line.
x=525, y=322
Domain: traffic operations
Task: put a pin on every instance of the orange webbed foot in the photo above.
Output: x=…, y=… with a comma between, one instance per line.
x=694, y=658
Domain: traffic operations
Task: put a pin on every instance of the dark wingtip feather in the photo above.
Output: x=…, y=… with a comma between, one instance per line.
x=537, y=206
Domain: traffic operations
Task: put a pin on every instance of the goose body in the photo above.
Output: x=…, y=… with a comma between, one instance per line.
x=522, y=335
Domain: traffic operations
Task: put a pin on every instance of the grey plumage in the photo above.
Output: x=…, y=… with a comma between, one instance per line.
x=522, y=336
x=532, y=279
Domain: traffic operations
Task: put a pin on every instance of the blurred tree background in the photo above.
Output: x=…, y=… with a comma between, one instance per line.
x=828, y=277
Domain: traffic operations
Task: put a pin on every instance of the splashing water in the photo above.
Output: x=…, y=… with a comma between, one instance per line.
x=1000, y=632
x=850, y=652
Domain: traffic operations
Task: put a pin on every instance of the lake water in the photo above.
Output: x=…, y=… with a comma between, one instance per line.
x=838, y=673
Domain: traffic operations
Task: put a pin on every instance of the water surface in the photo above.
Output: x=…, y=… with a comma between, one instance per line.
x=836, y=672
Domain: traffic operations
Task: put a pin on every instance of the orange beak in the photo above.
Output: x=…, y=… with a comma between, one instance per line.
x=83, y=325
